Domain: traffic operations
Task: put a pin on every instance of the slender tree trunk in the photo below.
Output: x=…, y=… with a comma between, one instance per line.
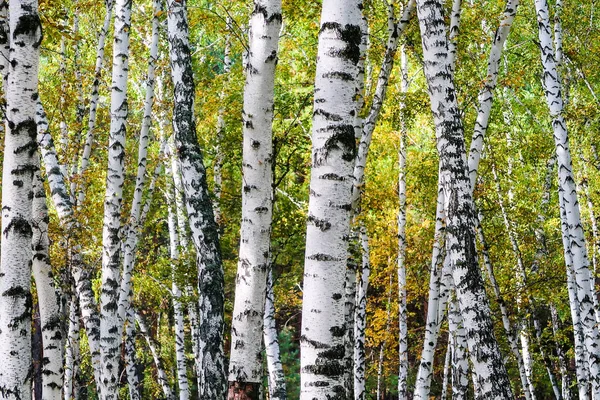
x=163, y=381
x=570, y=215
x=49, y=296
x=221, y=125
x=71, y=390
x=486, y=95
x=512, y=340
x=459, y=356
x=333, y=155
x=566, y=378
x=213, y=382
x=133, y=380
x=174, y=245
x=447, y=373
x=79, y=191
x=402, y=310
x=131, y=231
x=580, y=351
x=110, y=323
x=64, y=208
x=277, y=388
x=19, y=165
x=245, y=365
x=473, y=303
x=360, y=318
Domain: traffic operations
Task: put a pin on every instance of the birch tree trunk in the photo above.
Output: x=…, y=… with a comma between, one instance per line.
x=131, y=231
x=328, y=227
x=163, y=381
x=245, y=365
x=19, y=165
x=570, y=214
x=79, y=191
x=437, y=300
x=49, y=296
x=70, y=388
x=277, y=388
x=402, y=310
x=79, y=271
x=110, y=323
x=360, y=318
x=174, y=245
x=473, y=303
x=460, y=363
x=205, y=236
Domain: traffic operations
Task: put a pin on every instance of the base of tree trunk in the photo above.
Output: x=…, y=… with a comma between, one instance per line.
x=243, y=391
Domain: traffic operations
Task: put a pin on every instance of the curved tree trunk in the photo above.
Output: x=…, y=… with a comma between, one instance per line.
x=19, y=165
x=277, y=388
x=245, y=365
x=78, y=192
x=473, y=303
x=328, y=227
x=570, y=213
x=49, y=296
x=204, y=232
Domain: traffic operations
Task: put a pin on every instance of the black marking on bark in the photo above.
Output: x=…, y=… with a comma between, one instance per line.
x=336, y=296
x=327, y=115
x=322, y=257
x=341, y=139
x=351, y=35
x=338, y=331
x=28, y=25
x=255, y=144
x=331, y=177
x=322, y=224
x=259, y=9
x=344, y=76
x=20, y=226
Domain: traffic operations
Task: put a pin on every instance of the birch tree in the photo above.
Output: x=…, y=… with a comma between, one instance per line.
x=110, y=324
x=488, y=366
x=245, y=365
x=202, y=224
x=49, y=296
x=333, y=153
x=19, y=166
x=575, y=245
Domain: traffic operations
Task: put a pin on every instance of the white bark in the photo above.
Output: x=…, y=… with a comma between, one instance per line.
x=565, y=387
x=245, y=365
x=436, y=304
x=19, y=165
x=328, y=227
x=71, y=389
x=486, y=95
x=459, y=356
x=49, y=296
x=110, y=323
x=360, y=318
x=508, y=329
x=219, y=156
x=446, y=374
x=174, y=245
x=484, y=352
x=64, y=208
x=277, y=388
x=576, y=244
x=163, y=380
x=402, y=310
x=79, y=192
x=131, y=231
x=133, y=381
x=581, y=366
x=204, y=232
